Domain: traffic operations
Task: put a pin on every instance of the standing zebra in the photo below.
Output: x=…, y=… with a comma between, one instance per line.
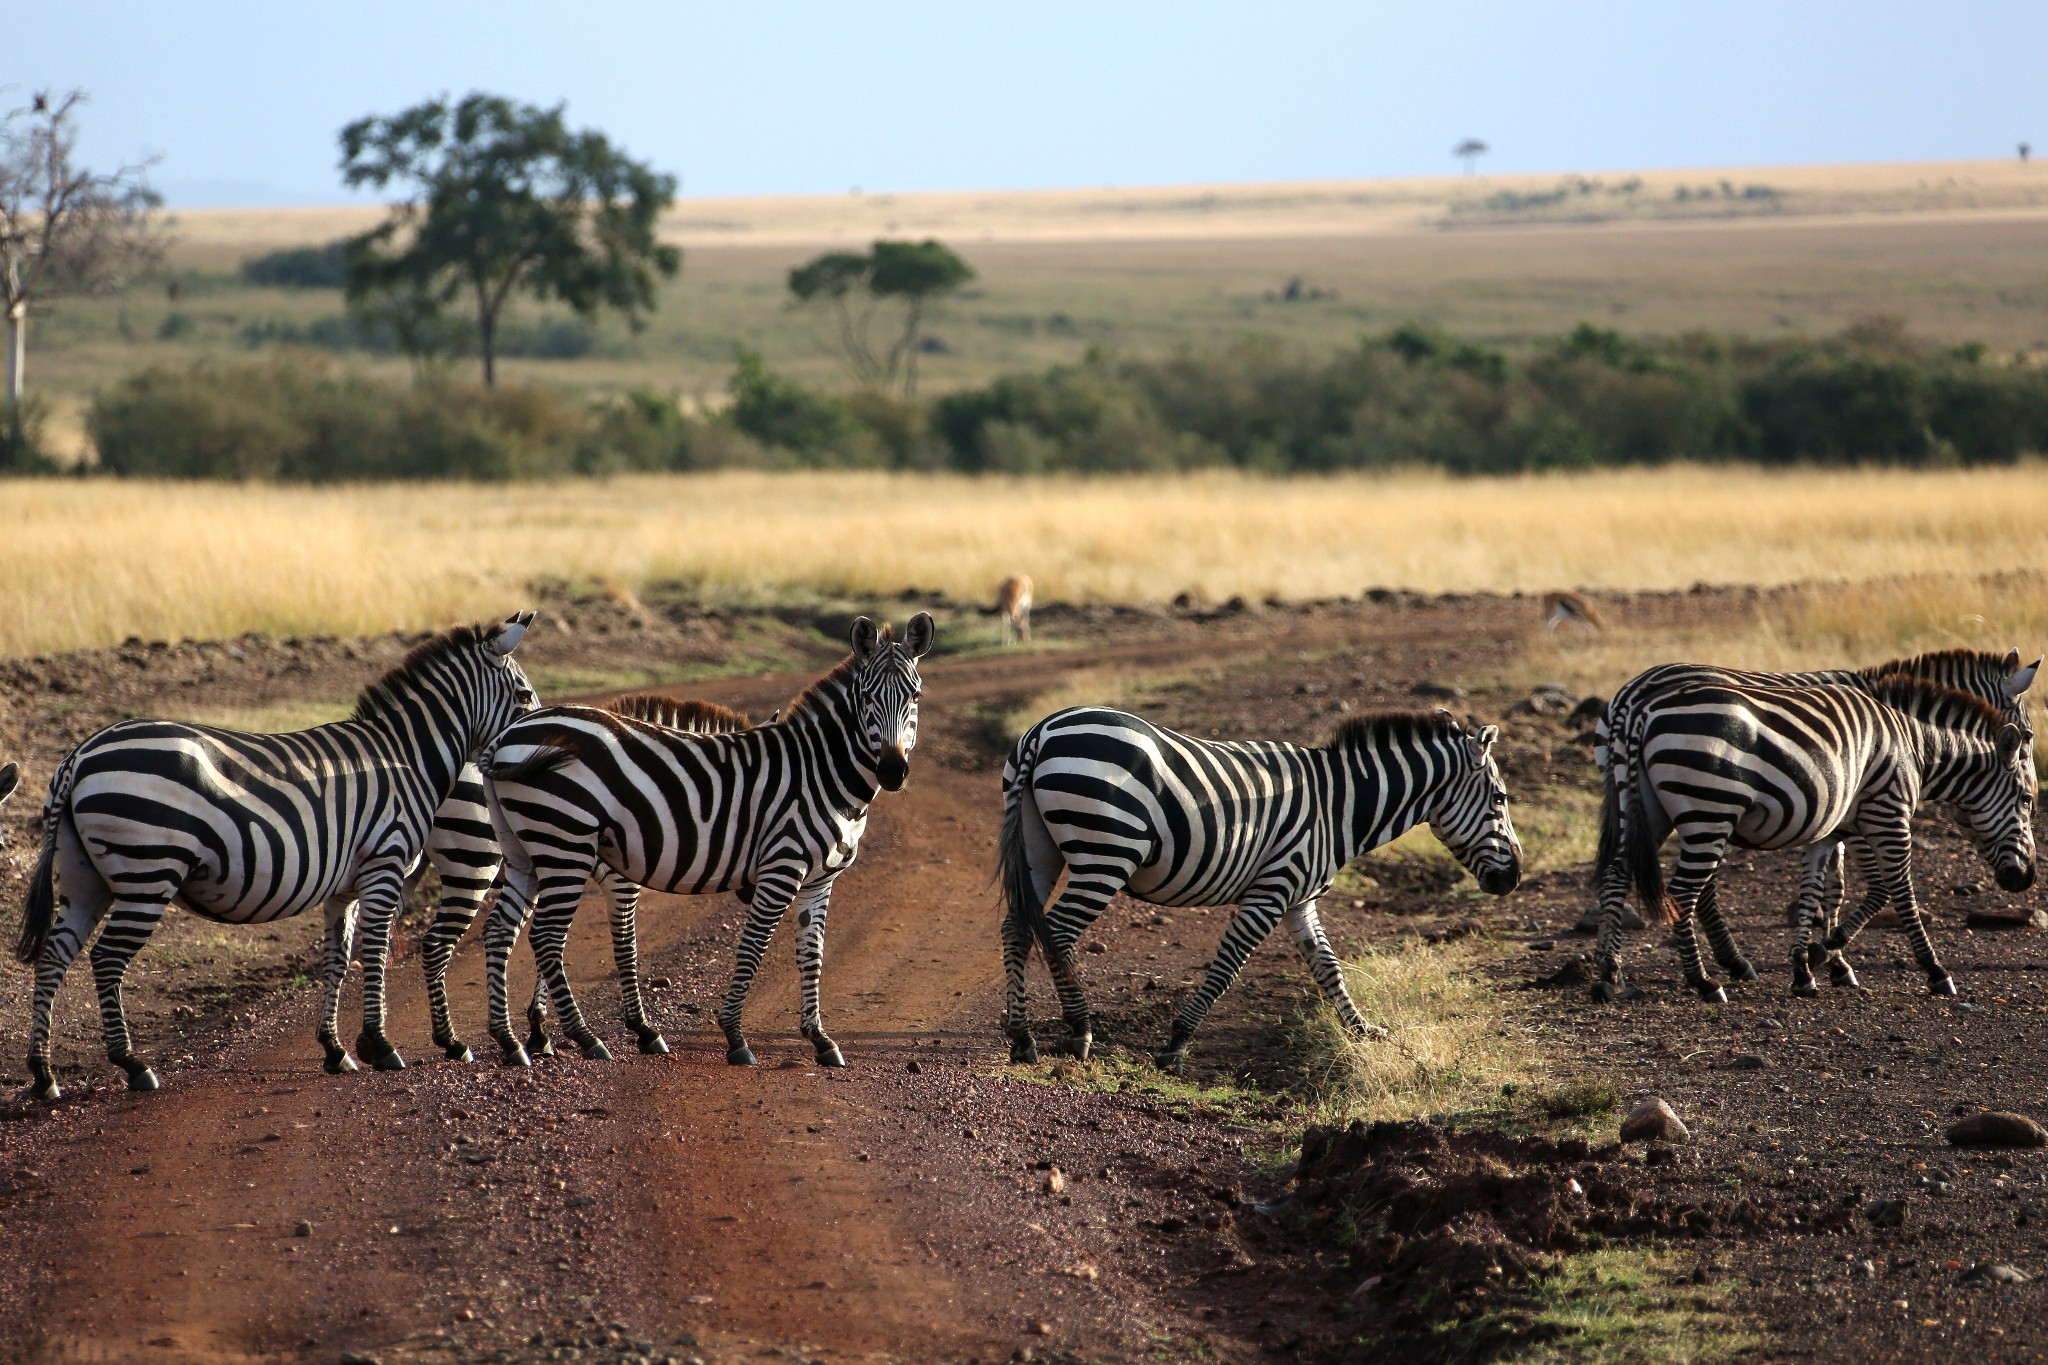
x=1786, y=767
x=1997, y=679
x=1124, y=805
x=775, y=813
x=464, y=850
x=249, y=828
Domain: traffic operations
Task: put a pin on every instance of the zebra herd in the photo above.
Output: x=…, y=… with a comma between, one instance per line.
x=451, y=761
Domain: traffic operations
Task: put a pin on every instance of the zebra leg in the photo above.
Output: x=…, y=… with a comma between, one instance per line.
x=1042, y=862
x=1247, y=930
x=1016, y=1020
x=452, y=918
x=771, y=898
x=128, y=928
x=1875, y=898
x=1726, y=952
x=1806, y=912
x=1607, y=947
x=501, y=935
x=814, y=902
x=1895, y=859
x=538, y=1043
x=560, y=892
x=338, y=949
x=625, y=908
x=1685, y=893
x=381, y=889
x=83, y=900
x=1307, y=927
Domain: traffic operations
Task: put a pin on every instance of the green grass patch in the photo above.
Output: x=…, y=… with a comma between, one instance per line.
x=1605, y=1306
x=1576, y=1100
x=1119, y=1071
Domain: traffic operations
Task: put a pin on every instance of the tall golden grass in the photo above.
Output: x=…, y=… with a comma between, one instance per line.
x=87, y=563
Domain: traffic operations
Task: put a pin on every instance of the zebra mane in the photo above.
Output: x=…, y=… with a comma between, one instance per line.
x=1937, y=663
x=812, y=698
x=1372, y=727
x=698, y=717
x=389, y=691
x=1937, y=704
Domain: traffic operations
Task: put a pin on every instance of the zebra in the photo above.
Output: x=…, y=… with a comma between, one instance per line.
x=1013, y=604
x=775, y=813
x=1125, y=805
x=250, y=828
x=2000, y=680
x=1785, y=767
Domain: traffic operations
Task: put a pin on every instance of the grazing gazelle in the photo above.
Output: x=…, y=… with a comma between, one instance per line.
x=1013, y=604
x=1568, y=608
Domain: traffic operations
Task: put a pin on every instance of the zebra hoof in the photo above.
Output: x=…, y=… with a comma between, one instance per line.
x=540, y=1045
x=1172, y=1063
x=594, y=1049
x=1604, y=993
x=739, y=1055
x=654, y=1045
x=1805, y=990
x=1023, y=1051
x=1941, y=985
x=46, y=1090
x=1711, y=993
x=1078, y=1047
x=514, y=1055
x=142, y=1079
x=1741, y=970
x=830, y=1055
x=457, y=1051
x=1842, y=975
x=338, y=1063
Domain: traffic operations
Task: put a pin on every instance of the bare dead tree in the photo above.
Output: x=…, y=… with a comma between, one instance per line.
x=64, y=229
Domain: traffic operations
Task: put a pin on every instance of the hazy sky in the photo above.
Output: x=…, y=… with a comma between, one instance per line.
x=243, y=100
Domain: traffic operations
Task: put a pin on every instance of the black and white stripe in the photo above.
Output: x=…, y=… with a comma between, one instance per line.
x=1121, y=804
x=250, y=828
x=1999, y=680
x=1790, y=767
x=775, y=813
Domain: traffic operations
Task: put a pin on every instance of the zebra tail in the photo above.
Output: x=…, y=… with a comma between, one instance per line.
x=1647, y=869
x=544, y=759
x=39, y=908
x=1013, y=867
x=1609, y=848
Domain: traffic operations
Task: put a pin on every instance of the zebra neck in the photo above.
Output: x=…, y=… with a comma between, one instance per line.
x=1949, y=760
x=1381, y=805
x=432, y=740
x=829, y=731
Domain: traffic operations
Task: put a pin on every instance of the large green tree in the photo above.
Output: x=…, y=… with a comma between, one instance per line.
x=906, y=275
x=504, y=199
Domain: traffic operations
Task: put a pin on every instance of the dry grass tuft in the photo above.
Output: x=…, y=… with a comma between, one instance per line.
x=1451, y=1044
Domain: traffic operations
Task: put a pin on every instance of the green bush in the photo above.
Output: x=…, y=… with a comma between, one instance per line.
x=310, y=267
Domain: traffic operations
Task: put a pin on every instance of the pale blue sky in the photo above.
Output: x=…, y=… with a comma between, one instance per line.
x=242, y=100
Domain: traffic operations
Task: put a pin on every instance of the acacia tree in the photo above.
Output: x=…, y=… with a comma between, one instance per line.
x=505, y=199
x=1469, y=151
x=852, y=284
x=63, y=228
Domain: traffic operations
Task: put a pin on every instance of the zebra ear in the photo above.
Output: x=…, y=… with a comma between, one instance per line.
x=1485, y=737
x=2018, y=679
x=9, y=777
x=2012, y=660
x=506, y=637
x=919, y=635
x=864, y=637
x=2009, y=741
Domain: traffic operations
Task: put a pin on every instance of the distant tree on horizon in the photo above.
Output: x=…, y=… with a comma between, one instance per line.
x=505, y=198
x=853, y=283
x=63, y=228
x=1469, y=151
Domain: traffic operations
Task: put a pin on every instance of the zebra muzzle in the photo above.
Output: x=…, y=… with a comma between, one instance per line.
x=2015, y=876
x=1498, y=881
x=893, y=770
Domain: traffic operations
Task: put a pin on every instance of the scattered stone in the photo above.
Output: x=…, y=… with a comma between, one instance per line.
x=1982, y=1273
x=1654, y=1121
x=2020, y=918
x=1993, y=1128
x=1039, y=1329
x=582, y=1201
x=913, y=1067
x=1095, y=946
x=1886, y=1213
x=1083, y=1271
x=1055, y=1181
x=1866, y=1269
x=1749, y=1061
x=1543, y=945
x=358, y=1358
x=1572, y=972
x=1437, y=690
x=303, y=1228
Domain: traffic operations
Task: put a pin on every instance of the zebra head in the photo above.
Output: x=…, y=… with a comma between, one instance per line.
x=1470, y=816
x=885, y=689
x=494, y=688
x=2000, y=812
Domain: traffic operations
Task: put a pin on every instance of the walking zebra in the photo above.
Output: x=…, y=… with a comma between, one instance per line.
x=1124, y=805
x=775, y=813
x=250, y=828
x=1997, y=679
x=1786, y=767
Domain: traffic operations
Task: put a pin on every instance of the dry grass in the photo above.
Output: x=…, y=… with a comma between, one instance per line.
x=1451, y=1044
x=88, y=563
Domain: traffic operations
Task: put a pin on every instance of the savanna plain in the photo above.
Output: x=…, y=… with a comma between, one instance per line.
x=1456, y=1191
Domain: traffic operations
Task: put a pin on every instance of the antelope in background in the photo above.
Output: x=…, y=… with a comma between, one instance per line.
x=1568, y=608
x=1013, y=604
